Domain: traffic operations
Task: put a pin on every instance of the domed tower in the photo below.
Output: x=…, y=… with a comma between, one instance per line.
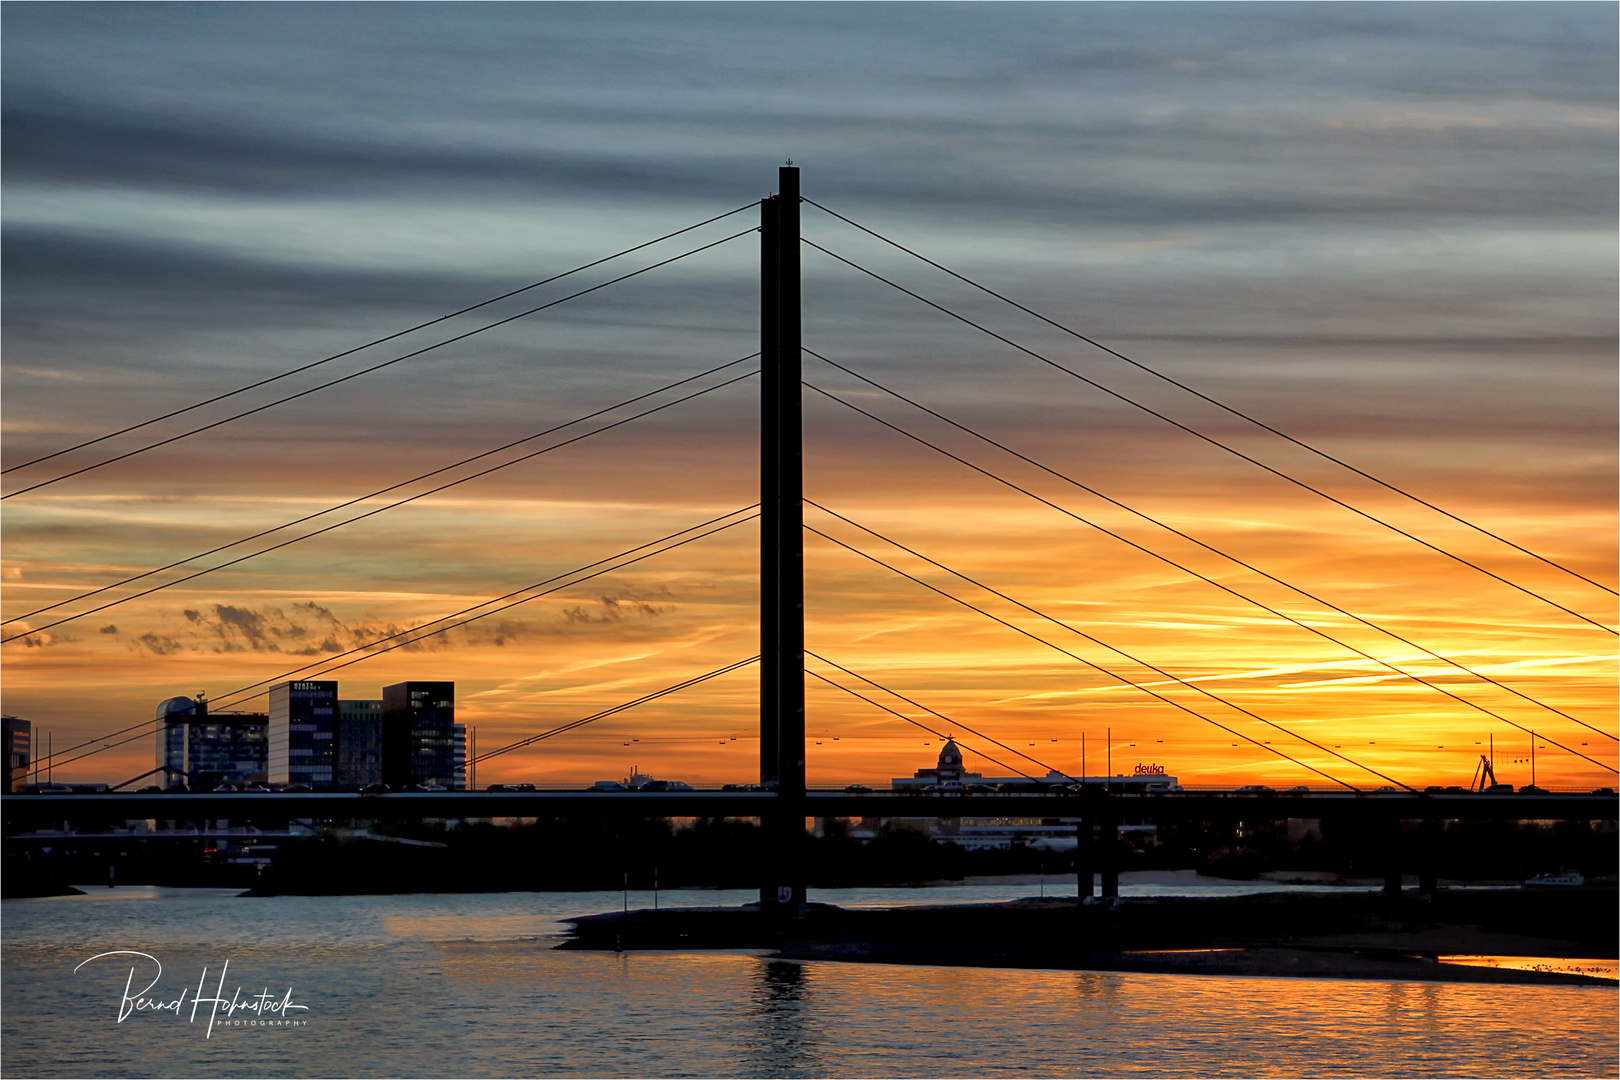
x=175, y=716
x=950, y=762
x=176, y=706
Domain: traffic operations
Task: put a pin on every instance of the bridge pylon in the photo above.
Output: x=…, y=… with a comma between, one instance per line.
x=781, y=497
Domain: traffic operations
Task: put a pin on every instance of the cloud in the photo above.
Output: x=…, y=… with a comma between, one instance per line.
x=613, y=609
x=24, y=633
x=311, y=629
x=54, y=140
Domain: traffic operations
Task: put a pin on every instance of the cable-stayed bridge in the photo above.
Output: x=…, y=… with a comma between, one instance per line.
x=784, y=659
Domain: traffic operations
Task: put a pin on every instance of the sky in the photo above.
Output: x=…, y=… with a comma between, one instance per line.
x=1386, y=230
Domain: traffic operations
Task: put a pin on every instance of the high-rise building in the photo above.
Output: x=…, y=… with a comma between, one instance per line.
x=459, y=760
x=359, y=743
x=311, y=737
x=18, y=735
x=303, y=733
x=203, y=749
x=419, y=736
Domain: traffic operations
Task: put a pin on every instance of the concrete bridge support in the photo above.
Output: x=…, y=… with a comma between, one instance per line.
x=1085, y=861
x=1108, y=847
x=1428, y=849
x=1390, y=852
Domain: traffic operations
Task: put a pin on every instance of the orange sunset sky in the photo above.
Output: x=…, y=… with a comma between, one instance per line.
x=1384, y=257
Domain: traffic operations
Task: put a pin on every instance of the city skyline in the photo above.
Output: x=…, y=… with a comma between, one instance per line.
x=1324, y=216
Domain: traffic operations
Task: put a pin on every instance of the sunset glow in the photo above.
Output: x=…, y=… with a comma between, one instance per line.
x=1422, y=311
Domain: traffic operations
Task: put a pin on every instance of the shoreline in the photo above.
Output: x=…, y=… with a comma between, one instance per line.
x=1353, y=936
x=1056, y=885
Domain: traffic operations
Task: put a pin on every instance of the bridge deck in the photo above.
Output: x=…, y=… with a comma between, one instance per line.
x=27, y=810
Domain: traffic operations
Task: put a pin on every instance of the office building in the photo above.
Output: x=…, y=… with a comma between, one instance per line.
x=459, y=760
x=419, y=734
x=18, y=737
x=312, y=738
x=303, y=733
x=359, y=743
x=203, y=749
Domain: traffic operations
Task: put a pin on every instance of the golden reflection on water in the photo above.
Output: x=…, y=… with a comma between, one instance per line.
x=453, y=926
x=1599, y=968
x=522, y=1008
x=738, y=1014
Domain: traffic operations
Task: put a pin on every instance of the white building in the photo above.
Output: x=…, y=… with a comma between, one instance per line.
x=1006, y=831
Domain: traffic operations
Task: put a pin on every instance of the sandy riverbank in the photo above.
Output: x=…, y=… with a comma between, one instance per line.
x=1348, y=935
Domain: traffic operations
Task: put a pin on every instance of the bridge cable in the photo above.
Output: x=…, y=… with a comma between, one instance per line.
x=376, y=341
x=1232, y=558
x=380, y=509
x=894, y=693
x=910, y=720
x=375, y=367
x=1119, y=678
x=571, y=725
x=50, y=759
x=109, y=746
x=1213, y=441
x=1069, y=513
x=232, y=697
x=1205, y=397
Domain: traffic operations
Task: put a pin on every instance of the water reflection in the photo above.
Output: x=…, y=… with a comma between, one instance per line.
x=1099, y=987
x=420, y=986
x=785, y=1034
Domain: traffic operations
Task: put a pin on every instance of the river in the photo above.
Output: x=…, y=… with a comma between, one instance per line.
x=468, y=985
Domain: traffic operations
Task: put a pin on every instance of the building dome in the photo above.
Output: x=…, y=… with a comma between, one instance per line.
x=950, y=757
x=177, y=706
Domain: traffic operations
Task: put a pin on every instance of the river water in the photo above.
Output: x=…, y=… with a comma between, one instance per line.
x=468, y=985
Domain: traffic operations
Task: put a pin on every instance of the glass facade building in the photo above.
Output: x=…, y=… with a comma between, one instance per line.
x=303, y=733
x=310, y=737
x=19, y=735
x=360, y=743
x=419, y=734
x=459, y=758
x=203, y=749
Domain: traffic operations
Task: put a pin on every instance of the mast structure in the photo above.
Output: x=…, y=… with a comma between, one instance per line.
x=781, y=720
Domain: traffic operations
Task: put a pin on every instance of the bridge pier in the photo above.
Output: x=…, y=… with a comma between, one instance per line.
x=783, y=887
x=1108, y=849
x=1085, y=862
x=1428, y=848
x=1390, y=854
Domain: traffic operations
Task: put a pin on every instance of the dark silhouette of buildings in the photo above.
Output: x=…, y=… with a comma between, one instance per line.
x=18, y=735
